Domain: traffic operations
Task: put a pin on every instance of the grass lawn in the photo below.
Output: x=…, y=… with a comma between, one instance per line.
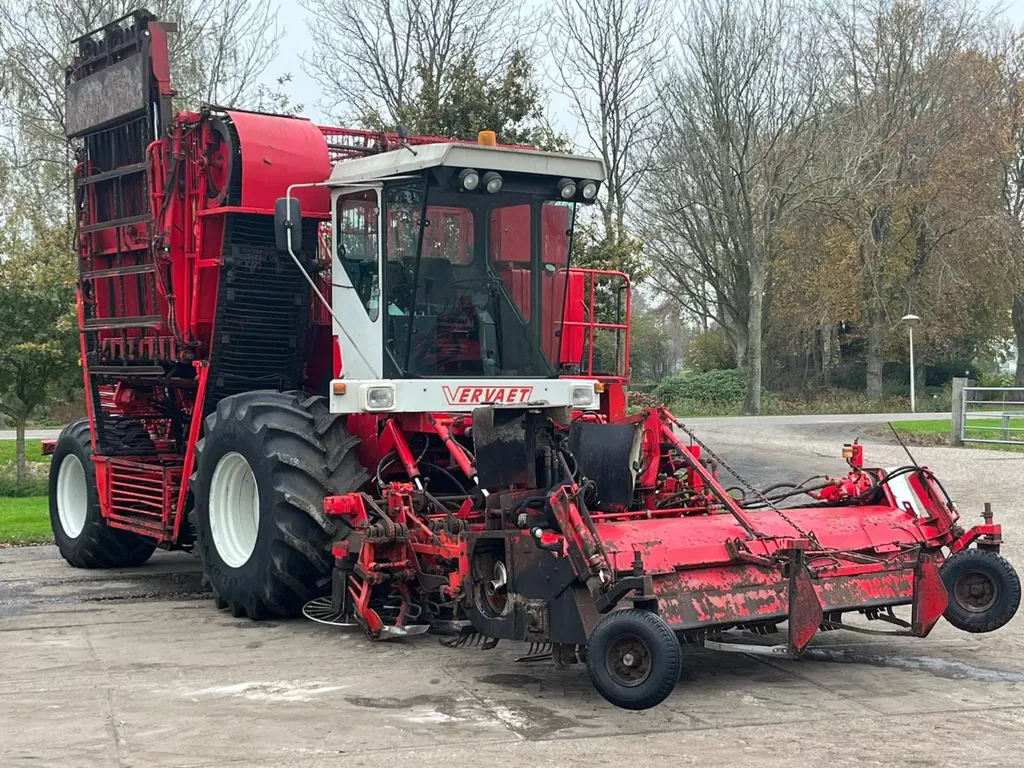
x=934, y=431
x=25, y=521
x=32, y=451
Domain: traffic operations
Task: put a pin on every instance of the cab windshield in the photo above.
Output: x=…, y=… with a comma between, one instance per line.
x=473, y=284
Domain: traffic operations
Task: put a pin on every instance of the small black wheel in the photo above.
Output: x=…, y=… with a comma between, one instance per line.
x=634, y=659
x=984, y=590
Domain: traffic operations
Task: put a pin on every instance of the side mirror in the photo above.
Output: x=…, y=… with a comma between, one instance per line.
x=288, y=217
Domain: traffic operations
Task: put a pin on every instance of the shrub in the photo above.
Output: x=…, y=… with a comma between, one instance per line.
x=710, y=387
x=986, y=379
x=36, y=483
x=710, y=351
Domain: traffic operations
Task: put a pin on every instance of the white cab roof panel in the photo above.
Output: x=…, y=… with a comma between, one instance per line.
x=400, y=162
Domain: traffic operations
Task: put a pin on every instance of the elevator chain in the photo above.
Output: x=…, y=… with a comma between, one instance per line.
x=809, y=535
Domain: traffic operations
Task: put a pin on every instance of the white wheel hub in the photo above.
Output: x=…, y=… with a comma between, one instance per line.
x=72, y=496
x=234, y=509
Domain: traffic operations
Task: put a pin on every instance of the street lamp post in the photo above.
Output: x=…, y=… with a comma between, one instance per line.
x=910, y=321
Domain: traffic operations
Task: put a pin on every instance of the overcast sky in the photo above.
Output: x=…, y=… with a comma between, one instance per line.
x=304, y=90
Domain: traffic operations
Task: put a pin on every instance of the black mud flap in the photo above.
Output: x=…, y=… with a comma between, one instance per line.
x=607, y=454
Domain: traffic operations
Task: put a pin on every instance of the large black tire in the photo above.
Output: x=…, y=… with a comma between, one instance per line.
x=96, y=545
x=124, y=437
x=634, y=659
x=298, y=453
x=983, y=588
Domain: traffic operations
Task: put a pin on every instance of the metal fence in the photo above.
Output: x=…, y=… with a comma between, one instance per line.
x=992, y=415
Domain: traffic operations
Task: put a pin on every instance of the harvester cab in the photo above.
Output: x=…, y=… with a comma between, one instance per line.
x=357, y=375
x=451, y=279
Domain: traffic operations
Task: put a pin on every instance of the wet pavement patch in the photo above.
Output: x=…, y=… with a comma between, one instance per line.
x=952, y=670
x=509, y=680
x=392, y=703
x=21, y=597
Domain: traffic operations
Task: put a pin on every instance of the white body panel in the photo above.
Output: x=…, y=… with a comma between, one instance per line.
x=402, y=161
x=905, y=495
x=361, y=338
x=463, y=395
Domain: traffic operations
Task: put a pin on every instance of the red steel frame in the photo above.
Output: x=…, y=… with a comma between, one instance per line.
x=149, y=285
x=185, y=240
x=708, y=562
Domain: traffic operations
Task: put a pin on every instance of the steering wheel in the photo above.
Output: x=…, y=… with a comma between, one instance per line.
x=485, y=280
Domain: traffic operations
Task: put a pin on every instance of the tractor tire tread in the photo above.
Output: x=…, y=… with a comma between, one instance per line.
x=300, y=558
x=100, y=546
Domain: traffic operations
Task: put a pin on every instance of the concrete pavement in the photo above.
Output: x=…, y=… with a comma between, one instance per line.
x=31, y=434
x=858, y=418
x=136, y=668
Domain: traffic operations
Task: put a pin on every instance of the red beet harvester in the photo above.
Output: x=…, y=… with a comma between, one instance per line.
x=356, y=373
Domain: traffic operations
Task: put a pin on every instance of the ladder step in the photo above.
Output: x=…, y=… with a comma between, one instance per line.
x=126, y=370
x=135, y=525
x=101, y=225
x=110, y=323
x=138, y=269
x=124, y=170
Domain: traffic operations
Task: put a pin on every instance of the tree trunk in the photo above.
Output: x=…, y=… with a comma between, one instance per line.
x=19, y=452
x=1018, y=328
x=870, y=260
x=817, y=361
x=752, y=404
x=876, y=347
x=828, y=345
x=742, y=347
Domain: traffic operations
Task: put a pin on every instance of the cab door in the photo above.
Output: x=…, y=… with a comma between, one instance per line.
x=356, y=281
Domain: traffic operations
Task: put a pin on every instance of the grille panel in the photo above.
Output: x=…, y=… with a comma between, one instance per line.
x=262, y=312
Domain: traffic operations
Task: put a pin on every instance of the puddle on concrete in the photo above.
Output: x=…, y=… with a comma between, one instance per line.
x=953, y=670
x=384, y=702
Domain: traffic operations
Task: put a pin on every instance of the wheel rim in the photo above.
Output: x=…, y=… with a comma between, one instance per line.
x=628, y=661
x=234, y=509
x=975, y=592
x=72, y=496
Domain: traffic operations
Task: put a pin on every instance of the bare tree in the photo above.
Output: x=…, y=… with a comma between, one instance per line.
x=896, y=64
x=219, y=54
x=608, y=56
x=742, y=127
x=1010, y=55
x=222, y=49
x=373, y=58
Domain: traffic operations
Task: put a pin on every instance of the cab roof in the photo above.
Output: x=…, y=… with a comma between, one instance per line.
x=401, y=162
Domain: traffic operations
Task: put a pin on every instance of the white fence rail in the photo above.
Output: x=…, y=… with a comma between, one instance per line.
x=992, y=415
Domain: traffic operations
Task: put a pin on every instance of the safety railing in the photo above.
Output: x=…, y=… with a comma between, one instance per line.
x=992, y=415
x=601, y=306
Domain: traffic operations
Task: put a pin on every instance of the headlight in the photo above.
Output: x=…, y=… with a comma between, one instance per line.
x=469, y=179
x=380, y=398
x=567, y=189
x=493, y=182
x=589, y=190
x=583, y=396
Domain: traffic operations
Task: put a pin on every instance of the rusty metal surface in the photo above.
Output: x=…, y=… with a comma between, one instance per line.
x=110, y=94
x=705, y=597
x=667, y=543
